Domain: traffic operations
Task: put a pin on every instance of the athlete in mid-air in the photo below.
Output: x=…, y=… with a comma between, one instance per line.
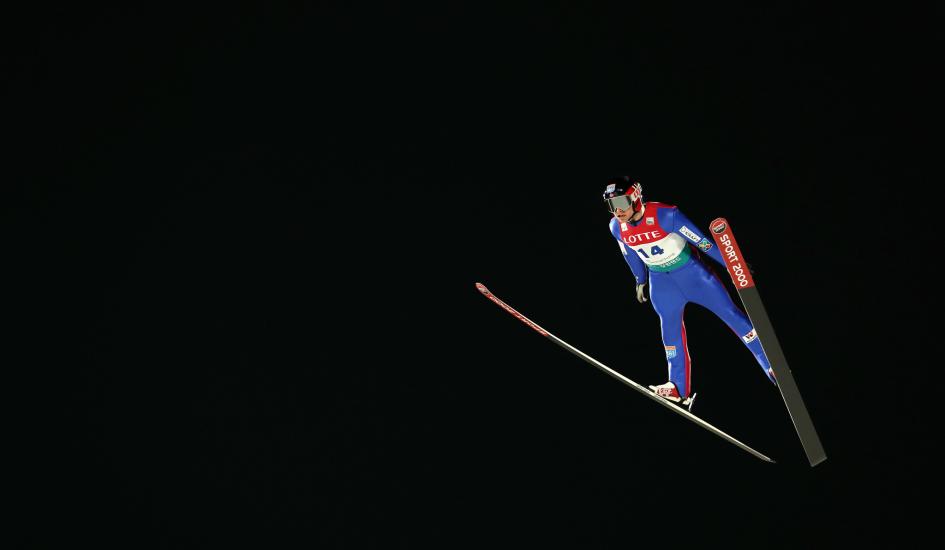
x=662, y=247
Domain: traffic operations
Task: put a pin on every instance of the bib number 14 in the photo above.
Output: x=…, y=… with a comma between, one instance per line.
x=654, y=251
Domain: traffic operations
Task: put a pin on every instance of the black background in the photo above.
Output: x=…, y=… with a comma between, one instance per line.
x=242, y=247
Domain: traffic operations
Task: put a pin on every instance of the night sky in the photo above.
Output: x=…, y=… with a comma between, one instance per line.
x=242, y=246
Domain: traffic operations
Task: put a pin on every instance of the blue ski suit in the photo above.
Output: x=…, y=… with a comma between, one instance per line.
x=662, y=247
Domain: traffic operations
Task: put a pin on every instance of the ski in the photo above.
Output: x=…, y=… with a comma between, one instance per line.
x=669, y=405
x=751, y=300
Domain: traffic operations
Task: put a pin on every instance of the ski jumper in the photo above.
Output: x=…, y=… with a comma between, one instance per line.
x=662, y=247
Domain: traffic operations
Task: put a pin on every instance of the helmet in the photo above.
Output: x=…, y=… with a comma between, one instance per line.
x=624, y=193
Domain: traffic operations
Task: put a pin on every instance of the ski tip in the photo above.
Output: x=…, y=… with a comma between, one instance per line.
x=718, y=225
x=482, y=288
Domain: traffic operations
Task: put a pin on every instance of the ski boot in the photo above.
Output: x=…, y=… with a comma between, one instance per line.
x=668, y=392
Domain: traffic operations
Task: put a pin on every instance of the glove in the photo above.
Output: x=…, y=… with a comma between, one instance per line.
x=641, y=294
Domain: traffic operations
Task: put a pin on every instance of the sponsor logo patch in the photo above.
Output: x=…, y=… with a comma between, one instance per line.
x=750, y=337
x=704, y=245
x=642, y=237
x=649, y=221
x=719, y=228
x=610, y=188
x=689, y=234
x=670, y=352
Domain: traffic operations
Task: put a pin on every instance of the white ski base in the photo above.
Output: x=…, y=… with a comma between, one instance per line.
x=668, y=404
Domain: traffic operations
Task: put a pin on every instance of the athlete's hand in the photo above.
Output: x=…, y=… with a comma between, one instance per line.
x=641, y=293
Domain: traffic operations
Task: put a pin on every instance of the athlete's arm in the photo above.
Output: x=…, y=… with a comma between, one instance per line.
x=637, y=266
x=695, y=236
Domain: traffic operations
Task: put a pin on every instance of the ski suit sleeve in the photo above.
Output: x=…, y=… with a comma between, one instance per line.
x=636, y=264
x=692, y=233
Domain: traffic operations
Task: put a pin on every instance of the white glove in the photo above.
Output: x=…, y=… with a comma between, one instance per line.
x=641, y=295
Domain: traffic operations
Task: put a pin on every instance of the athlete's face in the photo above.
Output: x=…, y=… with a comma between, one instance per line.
x=623, y=215
x=627, y=215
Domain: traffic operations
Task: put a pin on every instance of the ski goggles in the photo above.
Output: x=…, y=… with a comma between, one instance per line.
x=622, y=202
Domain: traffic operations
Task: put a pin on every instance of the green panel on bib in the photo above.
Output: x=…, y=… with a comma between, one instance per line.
x=673, y=264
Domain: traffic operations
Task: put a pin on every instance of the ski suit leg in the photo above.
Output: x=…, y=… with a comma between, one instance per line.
x=670, y=303
x=707, y=290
